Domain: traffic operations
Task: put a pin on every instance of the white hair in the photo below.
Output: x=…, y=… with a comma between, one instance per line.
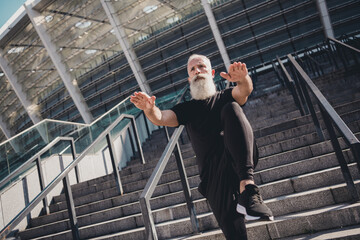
x=205, y=58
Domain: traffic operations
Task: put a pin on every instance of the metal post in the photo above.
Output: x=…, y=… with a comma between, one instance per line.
x=291, y=86
x=131, y=142
x=296, y=97
x=113, y=163
x=186, y=188
x=42, y=185
x=312, y=111
x=73, y=153
x=298, y=88
x=71, y=208
x=355, y=149
x=26, y=198
x=69, y=199
x=338, y=151
x=148, y=219
x=332, y=55
x=167, y=133
x=310, y=65
x=340, y=55
x=137, y=140
x=276, y=70
x=146, y=125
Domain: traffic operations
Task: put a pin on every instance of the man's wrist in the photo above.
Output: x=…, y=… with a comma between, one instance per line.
x=149, y=110
x=243, y=79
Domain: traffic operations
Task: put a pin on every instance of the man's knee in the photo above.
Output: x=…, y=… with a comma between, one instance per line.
x=232, y=109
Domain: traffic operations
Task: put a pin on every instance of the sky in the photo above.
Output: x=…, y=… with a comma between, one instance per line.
x=8, y=8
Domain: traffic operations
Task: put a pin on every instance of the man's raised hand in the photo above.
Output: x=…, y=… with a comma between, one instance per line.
x=237, y=72
x=143, y=101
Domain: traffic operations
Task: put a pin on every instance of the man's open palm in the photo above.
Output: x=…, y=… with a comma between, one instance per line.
x=237, y=72
x=143, y=101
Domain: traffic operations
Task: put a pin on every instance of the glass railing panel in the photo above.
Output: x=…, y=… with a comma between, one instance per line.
x=22, y=147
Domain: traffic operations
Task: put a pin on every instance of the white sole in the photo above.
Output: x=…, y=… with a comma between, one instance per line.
x=240, y=209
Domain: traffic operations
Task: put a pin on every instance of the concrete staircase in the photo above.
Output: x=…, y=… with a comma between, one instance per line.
x=298, y=176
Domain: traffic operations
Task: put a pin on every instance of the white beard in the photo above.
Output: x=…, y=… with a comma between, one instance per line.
x=201, y=89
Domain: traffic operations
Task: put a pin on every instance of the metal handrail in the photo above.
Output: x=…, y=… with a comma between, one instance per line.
x=332, y=42
x=63, y=176
x=156, y=175
x=28, y=163
x=344, y=45
x=331, y=118
x=291, y=85
x=154, y=179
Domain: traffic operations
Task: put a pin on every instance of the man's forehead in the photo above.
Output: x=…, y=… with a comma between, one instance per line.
x=198, y=60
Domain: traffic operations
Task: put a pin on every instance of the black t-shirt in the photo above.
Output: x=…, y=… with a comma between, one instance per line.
x=202, y=119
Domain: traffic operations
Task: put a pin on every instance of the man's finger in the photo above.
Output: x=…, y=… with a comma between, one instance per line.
x=225, y=75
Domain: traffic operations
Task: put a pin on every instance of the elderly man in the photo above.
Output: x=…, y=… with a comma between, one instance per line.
x=222, y=139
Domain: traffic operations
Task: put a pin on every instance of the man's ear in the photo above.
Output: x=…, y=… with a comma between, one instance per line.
x=189, y=79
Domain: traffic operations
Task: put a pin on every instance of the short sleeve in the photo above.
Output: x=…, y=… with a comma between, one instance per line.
x=181, y=112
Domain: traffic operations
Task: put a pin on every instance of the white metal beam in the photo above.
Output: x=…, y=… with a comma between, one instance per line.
x=216, y=33
x=8, y=134
x=5, y=129
x=126, y=47
x=34, y=115
x=71, y=85
x=325, y=18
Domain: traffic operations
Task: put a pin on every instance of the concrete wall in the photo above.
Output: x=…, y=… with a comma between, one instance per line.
x=96, y=164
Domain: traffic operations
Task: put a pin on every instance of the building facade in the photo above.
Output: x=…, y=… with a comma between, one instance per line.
x=75, y=60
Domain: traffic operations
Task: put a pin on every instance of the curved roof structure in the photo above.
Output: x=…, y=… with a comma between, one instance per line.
x=60, y=57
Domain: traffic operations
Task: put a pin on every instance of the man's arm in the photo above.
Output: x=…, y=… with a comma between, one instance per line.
x=238, y=73
x=153, y=113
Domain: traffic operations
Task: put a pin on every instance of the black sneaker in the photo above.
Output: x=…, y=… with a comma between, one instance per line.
x=252, y=206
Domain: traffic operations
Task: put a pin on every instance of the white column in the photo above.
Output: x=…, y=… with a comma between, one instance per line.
x=8, y=133
x=5, y=129
x=325, y=18
x=126, y=47
x=34, y=115
x=216, y=33
x=71, y=84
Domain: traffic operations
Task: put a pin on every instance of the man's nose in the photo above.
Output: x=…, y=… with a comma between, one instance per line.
x=197, y=70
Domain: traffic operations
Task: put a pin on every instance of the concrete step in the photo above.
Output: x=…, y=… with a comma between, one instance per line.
x=334, y=216
x=187, y=152
x=273, y=120
x=300, y=142
x=134, y=184
x=271, y=190
x=303, y=125
x=137, y=182
x=297, y=154
x=284, y=122
x=280, y=168
x=145, y=170
x=342, y=233
x=294, y=183
x=282, y=98
x=296, y=168
x=305, y=182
